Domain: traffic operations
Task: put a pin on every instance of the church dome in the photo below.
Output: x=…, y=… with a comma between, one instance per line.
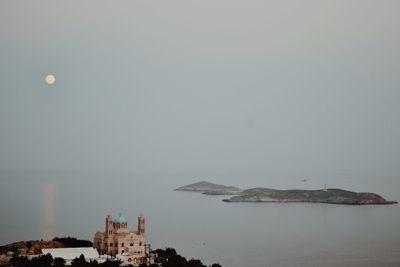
x=119, y=219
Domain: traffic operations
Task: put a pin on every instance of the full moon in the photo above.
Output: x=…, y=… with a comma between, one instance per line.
x=50, y=79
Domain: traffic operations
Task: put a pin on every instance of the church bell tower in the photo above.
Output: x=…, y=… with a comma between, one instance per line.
x=108, y=224
x=141, y=225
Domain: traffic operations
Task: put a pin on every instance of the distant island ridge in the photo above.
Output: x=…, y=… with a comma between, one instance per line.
x=268, y=195
x=210, y=188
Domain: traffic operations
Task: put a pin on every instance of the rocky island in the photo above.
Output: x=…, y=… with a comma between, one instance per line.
x=208, y=188
x=331, y=196
x=268, y=195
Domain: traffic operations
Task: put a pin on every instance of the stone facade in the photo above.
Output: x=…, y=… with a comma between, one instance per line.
x=118, y=241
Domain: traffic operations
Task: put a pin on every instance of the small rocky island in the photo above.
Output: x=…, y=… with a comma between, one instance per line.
x=331, y=196
x=208, y=188
x=268, y=195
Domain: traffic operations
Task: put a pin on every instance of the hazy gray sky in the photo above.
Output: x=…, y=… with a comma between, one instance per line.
x=200, y=87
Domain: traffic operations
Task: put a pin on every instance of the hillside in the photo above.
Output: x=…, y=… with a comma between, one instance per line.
x=35, y=246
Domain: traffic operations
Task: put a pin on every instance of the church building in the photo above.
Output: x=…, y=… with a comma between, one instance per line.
x=118, y=241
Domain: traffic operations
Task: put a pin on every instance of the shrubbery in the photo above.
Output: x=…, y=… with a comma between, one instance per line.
x=165, y=258
x=72, y=242
x=48, y=261
x=42, y=261
x=169, y=258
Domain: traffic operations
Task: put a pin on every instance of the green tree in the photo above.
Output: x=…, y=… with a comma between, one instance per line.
x=59, y=262
x=19, y=261
x=109, y=263
x=195, y=263
x=42, y=261
x=79, y=262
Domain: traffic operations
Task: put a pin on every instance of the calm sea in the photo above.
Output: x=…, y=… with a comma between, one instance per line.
x=35, y=206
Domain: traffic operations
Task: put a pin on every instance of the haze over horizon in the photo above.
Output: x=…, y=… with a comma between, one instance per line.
x=211, y=87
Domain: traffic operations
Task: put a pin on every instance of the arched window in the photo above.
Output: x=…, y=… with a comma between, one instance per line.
x=131, y=244
x=140, y=243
